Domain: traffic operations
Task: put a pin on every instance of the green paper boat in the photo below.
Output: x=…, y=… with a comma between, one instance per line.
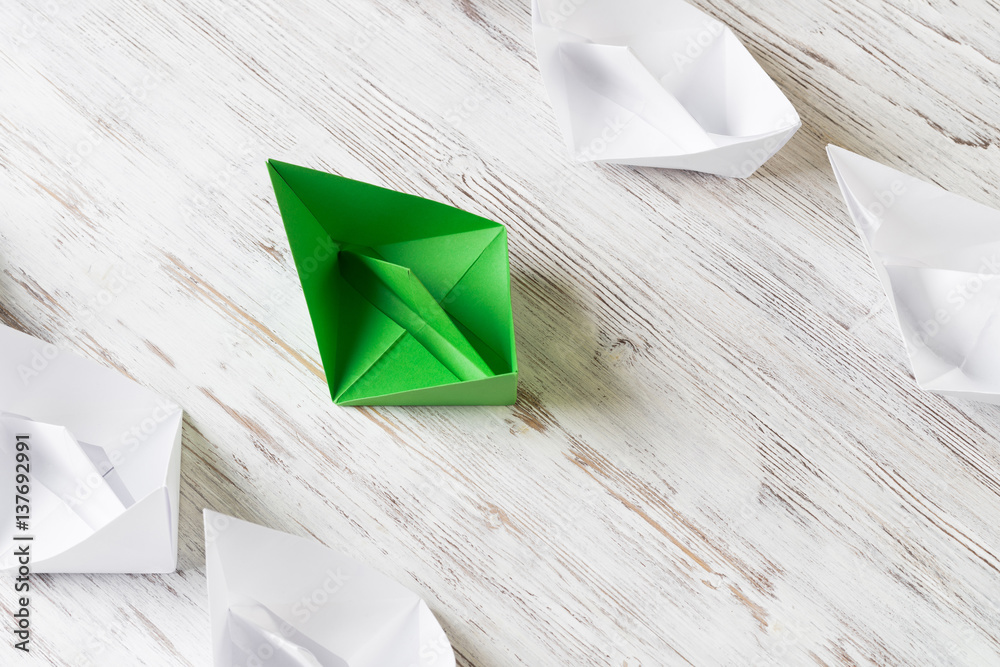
x=409, y=298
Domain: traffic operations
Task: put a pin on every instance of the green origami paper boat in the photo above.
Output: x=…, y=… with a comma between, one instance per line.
x=409, y=298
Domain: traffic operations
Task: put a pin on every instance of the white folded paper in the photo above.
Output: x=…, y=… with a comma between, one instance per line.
x=104, y=456
x=285, y=601
x=938, y=256
x=658, y=83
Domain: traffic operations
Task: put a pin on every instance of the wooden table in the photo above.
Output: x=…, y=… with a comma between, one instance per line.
x=718, y=457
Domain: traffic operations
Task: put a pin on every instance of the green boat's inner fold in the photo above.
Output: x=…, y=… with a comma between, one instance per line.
x=399, y=294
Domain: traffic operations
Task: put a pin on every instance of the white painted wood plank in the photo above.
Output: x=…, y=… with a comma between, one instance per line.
x=718, y=456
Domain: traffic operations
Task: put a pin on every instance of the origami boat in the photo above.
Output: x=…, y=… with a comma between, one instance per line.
x=285, y=601
x=938, y=257
x=658, y=83
x=103, y=456
x=409, y=298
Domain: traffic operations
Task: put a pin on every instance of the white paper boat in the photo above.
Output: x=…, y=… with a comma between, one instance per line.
x=104, y=463
x=658, y=83
x=938, y=256
x=286, y=601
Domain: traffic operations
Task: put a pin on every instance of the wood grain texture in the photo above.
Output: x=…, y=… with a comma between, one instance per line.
x=719, y=456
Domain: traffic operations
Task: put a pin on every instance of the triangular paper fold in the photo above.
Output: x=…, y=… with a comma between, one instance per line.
x=938, y=257
x=658, y=83
x=409, y=298
x=311, y=605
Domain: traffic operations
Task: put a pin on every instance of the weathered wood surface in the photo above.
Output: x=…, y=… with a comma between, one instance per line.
x=718, y=456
